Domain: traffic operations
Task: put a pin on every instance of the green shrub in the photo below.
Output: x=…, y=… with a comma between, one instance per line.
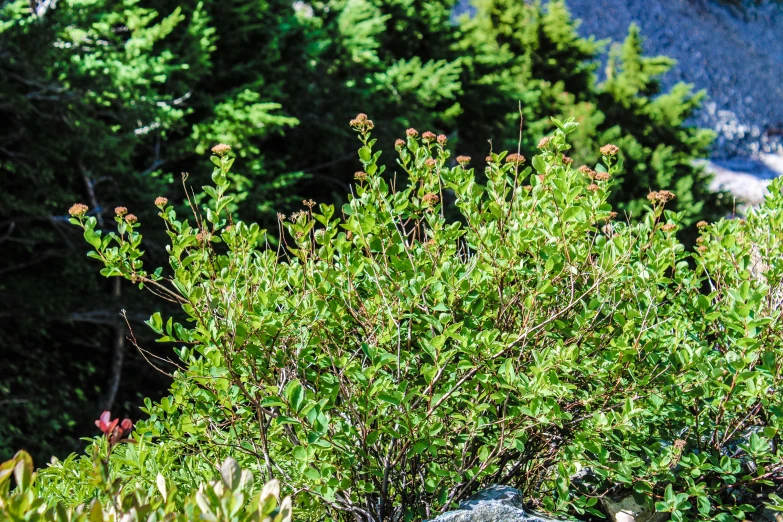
x=386, y=362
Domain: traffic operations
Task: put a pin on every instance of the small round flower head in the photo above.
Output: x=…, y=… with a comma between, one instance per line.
x=427, y=136
x=429, y=163
x=361, y=123
x=221, y=149
x=442, y=139
x=131, y=219
x=610, y=150
x=528, y=187
x=411, y=133
x=120, y=211
x=78, y=209
x=161, y=202
x=430, y=199
x=699, y=240
x=665, y=196
x=544, y=143
x=399, y=144
x=652, y=197
x=488, y=159
x=701, y=249
x=515, y=159
x=566, y=160
x=668, y=227
x=702, y=224
x=463, y=160
x=602, y=176
x=587, y=171
x=360, y=176
x=592, y=187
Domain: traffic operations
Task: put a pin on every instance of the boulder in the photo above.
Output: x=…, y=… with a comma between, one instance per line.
x=494, y=504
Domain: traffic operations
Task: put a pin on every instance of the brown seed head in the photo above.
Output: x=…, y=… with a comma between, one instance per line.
x=610, y=150
x=361, y=123
x=668, y=227
x=280, y=216
x=442, y=139
x=702, y=224
x=463, y=160
x=309, y=203
x=592, y=187
x=701, y=249
x=544, y=143
x=566, y=160
x=161, y=202
x=429, y=163
x=120, y=211
x=488, y=159
x=699, y=240
x=78, y=209
x=221, y=149
x=399, y=144
x=360, y=176
x=602, y=176
x=430, y=199
x=515, y=159
x=427, y=136
x=411, y=133
x=131, y=219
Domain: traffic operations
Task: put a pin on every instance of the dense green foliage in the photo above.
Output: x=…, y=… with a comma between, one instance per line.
x=232, y=499
x=107, y=101
x=386, y=360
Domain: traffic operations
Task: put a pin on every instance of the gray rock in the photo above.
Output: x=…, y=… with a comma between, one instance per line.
x=494, y=504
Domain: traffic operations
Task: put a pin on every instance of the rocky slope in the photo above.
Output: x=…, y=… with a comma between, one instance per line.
x=735, y=53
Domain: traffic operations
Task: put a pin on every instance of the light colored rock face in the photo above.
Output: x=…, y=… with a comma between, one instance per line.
x=734, y=52
x=494, y=504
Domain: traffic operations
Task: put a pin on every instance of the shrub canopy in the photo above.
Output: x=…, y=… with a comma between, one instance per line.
x=386, y=361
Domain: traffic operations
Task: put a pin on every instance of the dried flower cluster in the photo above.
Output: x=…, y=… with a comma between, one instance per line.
x=701, y=224
x=660, y=196
x=120, y=211
x=411, y=133
x=161, y=202
x=131, y=219
x=362, y=123
x=399, y=144
x=221, y=149
x=78, y=209
x=515, y=159
x=442, y=139
x=610, y=150
x=360, y=176
x=430, y=199
x=427, y=136
x=463, y=160
x=544, y=143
